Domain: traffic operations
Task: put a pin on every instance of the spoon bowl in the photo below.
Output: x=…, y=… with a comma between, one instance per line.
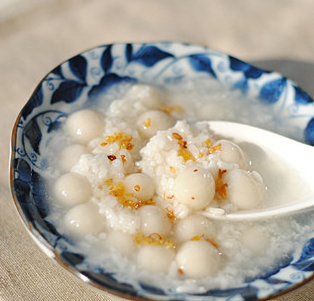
x=278, y=157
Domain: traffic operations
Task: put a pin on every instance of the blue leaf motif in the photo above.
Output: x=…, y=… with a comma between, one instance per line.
x=21, y=189
x=306, y=266
x=23, y=170
x=245, y=291
x=68, y=92
x=38, y=184
x=309, y=132
x=78, y=65
x=128, y=52
x=148, y=55
x=38, y=191
x=107, y=82
x=308, y=250
x=58, y=72
x=248, y=70
x=250, y=294
x=33, y=134
x=272, y=90
x=201, y=62
x=35, y=101
x=152, y=289
x=275, y=281
x=301, y=96
x=106, y=60
x=238, y=65
x=253, y=72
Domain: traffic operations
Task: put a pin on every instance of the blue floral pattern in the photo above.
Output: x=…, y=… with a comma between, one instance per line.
x=79, y=80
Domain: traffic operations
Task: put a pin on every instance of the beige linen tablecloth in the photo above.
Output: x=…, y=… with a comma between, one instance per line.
x=37, y=35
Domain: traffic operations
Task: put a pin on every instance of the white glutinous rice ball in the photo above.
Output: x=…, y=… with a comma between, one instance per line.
x=120, y=241
x=72, y=188
x=83, y=219
x=139, y=185
x=85, y=125
x=231, y=153
x=155, y=258
x=245, y=189
x=154, y=220
x=70, y=155
x=193, y=225
x=198, y=258
x=194, y=187
x=149, y=96
x=152, y=121
x=255, y=240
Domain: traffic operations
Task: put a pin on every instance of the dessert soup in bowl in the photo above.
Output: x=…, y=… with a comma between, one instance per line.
x=111, y=172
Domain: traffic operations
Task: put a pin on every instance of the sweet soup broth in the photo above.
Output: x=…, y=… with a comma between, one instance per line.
x=132, y=180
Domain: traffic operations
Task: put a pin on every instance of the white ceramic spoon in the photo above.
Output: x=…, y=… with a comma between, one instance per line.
x=292, y=161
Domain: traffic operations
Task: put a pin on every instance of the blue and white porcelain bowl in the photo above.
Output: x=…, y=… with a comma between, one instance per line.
x=68, y=87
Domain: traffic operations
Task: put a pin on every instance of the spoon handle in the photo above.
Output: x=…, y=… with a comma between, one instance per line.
x=291, y=209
